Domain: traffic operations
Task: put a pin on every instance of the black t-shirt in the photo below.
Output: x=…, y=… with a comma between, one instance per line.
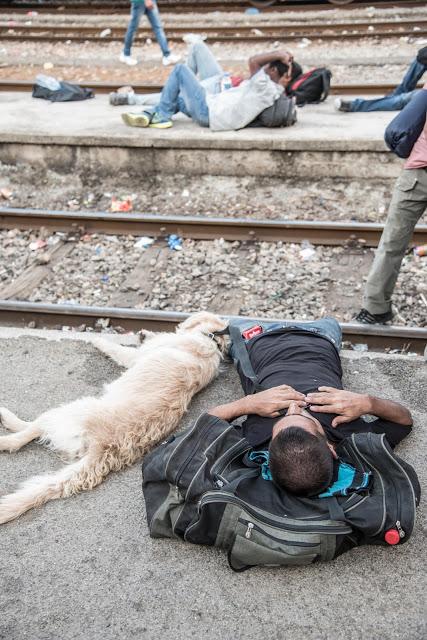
x=305, y=361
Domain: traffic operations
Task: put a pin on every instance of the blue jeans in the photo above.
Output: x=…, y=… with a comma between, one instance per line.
x=137, y=10
x=183, y=92
x=328, y=328
x=202, y=63
x=399, y=98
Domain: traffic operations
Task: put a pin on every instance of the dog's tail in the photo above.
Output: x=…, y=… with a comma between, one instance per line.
x=78, y=476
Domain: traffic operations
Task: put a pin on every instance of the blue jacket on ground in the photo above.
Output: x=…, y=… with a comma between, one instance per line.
x=405, y=129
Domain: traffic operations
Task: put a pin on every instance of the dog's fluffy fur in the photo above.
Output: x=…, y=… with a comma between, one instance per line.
x=135, y=412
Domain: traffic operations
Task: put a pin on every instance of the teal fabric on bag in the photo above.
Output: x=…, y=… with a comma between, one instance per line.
x=341, y=486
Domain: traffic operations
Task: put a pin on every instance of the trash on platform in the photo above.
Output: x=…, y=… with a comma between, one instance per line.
x=361, y=346
x=252, y=11
x=174, y=242
x=6, y=193
x=52, y=240
x=47, y=66
x=32, y=14
x=144, y=242
x=122, y=205
x=185, y=193
x=421, y=250
x=305, y=42
x=307, y=251
x=38, y=244
x=105, y=278
x=104, y=33
x=148, y=41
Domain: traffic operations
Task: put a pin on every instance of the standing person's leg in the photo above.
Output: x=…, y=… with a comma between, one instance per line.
x=153, y=16
x=415, y=71
x=408, y=204
x=135, y=17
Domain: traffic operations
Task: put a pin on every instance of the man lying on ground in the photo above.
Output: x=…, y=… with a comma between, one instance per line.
x=398, y=98
x=299, y=366
x=215, y=99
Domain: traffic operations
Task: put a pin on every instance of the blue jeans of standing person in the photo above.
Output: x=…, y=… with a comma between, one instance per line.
x=183, y=92
x=399, y=98
x=327, y=327
x=137, y=10
x=202, y=63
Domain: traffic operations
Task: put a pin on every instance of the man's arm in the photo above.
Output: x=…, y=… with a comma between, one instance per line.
x=261, y=59
x=265, y=403
x=350, y=406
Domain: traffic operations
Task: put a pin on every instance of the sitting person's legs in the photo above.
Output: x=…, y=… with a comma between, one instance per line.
x=395, y=101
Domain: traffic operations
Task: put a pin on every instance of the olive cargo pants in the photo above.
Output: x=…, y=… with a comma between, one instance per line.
x=408, y=203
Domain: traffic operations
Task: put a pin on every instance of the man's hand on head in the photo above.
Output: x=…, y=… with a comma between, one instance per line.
x=348, y=405
x=269, y=403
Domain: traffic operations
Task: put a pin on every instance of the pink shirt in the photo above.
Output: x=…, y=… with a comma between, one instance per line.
x=418, y=156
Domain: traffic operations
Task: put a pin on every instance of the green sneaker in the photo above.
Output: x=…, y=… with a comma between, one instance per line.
x=137, y=119
x=158, y=122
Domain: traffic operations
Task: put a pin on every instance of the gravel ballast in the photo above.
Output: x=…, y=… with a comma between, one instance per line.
x=261, y=278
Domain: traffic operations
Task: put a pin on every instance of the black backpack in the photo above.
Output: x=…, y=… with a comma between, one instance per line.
x=202, y=487
x=311, y=87
x=282, y=113
x=66, y=93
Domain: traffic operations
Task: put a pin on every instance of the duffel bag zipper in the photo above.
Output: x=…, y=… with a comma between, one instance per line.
x=227, y=454
x=179, y=444
x=194, y=449
x=382, y=486
x=402, y=532
x=250, y=526
x=222, y=496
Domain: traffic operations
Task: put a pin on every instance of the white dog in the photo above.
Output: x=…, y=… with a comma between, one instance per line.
x=135, y=412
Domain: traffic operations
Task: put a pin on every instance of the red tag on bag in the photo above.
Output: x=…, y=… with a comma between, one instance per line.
x=252, y=332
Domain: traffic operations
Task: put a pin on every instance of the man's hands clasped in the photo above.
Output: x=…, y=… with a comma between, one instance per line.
x=269, y=403
x=348, y=405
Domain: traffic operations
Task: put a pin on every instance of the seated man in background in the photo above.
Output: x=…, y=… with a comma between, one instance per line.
x=202, y=91
x=398, y=98
x=298, y=365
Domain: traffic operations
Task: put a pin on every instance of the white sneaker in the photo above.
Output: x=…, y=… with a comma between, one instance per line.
x=128, y=60
x=170, y=59
x=192, y=38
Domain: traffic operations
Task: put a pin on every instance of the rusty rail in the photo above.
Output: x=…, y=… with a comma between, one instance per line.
x=16, y=313
x=200, y=228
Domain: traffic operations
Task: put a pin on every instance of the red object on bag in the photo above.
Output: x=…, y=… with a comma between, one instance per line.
x=392, y=536
x=252, y=332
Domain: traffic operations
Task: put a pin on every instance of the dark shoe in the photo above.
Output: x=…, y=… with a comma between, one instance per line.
x=342, y=105
x=118, y=99
x=365, y=317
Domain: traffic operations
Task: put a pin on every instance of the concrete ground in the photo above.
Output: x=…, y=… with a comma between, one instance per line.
x=90, y=135
x=91, y=122
x=86, y=567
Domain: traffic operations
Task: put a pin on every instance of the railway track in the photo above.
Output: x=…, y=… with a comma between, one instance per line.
x=20, y=314
x=350, y=30
x=200, y=228
x=109, y=8
x=107, y=87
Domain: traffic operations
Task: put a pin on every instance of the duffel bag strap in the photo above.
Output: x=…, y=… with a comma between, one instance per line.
x=242, y=357
x=335, y=510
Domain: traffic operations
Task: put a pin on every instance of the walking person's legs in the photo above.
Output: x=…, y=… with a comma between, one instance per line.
x=136, y=12
x=155, y=21
x=408, y=204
